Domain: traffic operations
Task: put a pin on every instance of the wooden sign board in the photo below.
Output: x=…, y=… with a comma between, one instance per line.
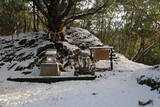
x=101, y=54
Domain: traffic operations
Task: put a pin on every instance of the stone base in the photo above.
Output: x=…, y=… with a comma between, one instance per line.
x=49, y=69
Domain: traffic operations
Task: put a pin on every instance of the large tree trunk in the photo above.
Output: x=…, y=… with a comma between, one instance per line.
x=55, y=28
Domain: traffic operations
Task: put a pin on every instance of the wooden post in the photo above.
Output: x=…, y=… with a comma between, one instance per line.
x=91, y=56
x=111, y=59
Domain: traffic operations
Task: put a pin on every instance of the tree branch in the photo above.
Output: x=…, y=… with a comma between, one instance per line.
x=83, y=14
x=54, y=2
x=40, y=8
x=153, y=45
x=45, y=3
x=69, y=7
x=141, y=53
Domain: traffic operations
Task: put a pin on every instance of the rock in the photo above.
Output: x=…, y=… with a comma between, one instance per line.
x=7, y=58
x=155, y=85
x=143, y=103
x=44, y=48
x=30, y=43
x=156, y=67
x=31, y=65
x=29, y=56
x=1, y=64
x=30, y=49
x=12, y=66
x=22, y=42
x=83, y=46
x=94, y=93
x=19, y=68
x=19, y=56
x=42, y=54
x=26, y=72
x=75, y=50
x=39, y=61
x=82, y=38
x=18, y=48
x=9, y=46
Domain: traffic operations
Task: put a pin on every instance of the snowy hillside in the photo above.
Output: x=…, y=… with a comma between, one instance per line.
x=130, y=84
x=24, y=54
x=29, y=48
x=111, y=89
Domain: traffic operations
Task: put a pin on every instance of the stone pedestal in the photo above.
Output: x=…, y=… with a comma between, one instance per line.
x=49, y=69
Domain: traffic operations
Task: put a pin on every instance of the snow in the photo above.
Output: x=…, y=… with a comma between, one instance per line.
x=117, y=88
x=51, y=52
x=30, y=48
x=84, y=36
x=23, y=51
x=102, y=47
x=69, y=46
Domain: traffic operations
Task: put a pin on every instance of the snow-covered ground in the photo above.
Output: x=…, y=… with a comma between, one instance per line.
x=117, y=88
